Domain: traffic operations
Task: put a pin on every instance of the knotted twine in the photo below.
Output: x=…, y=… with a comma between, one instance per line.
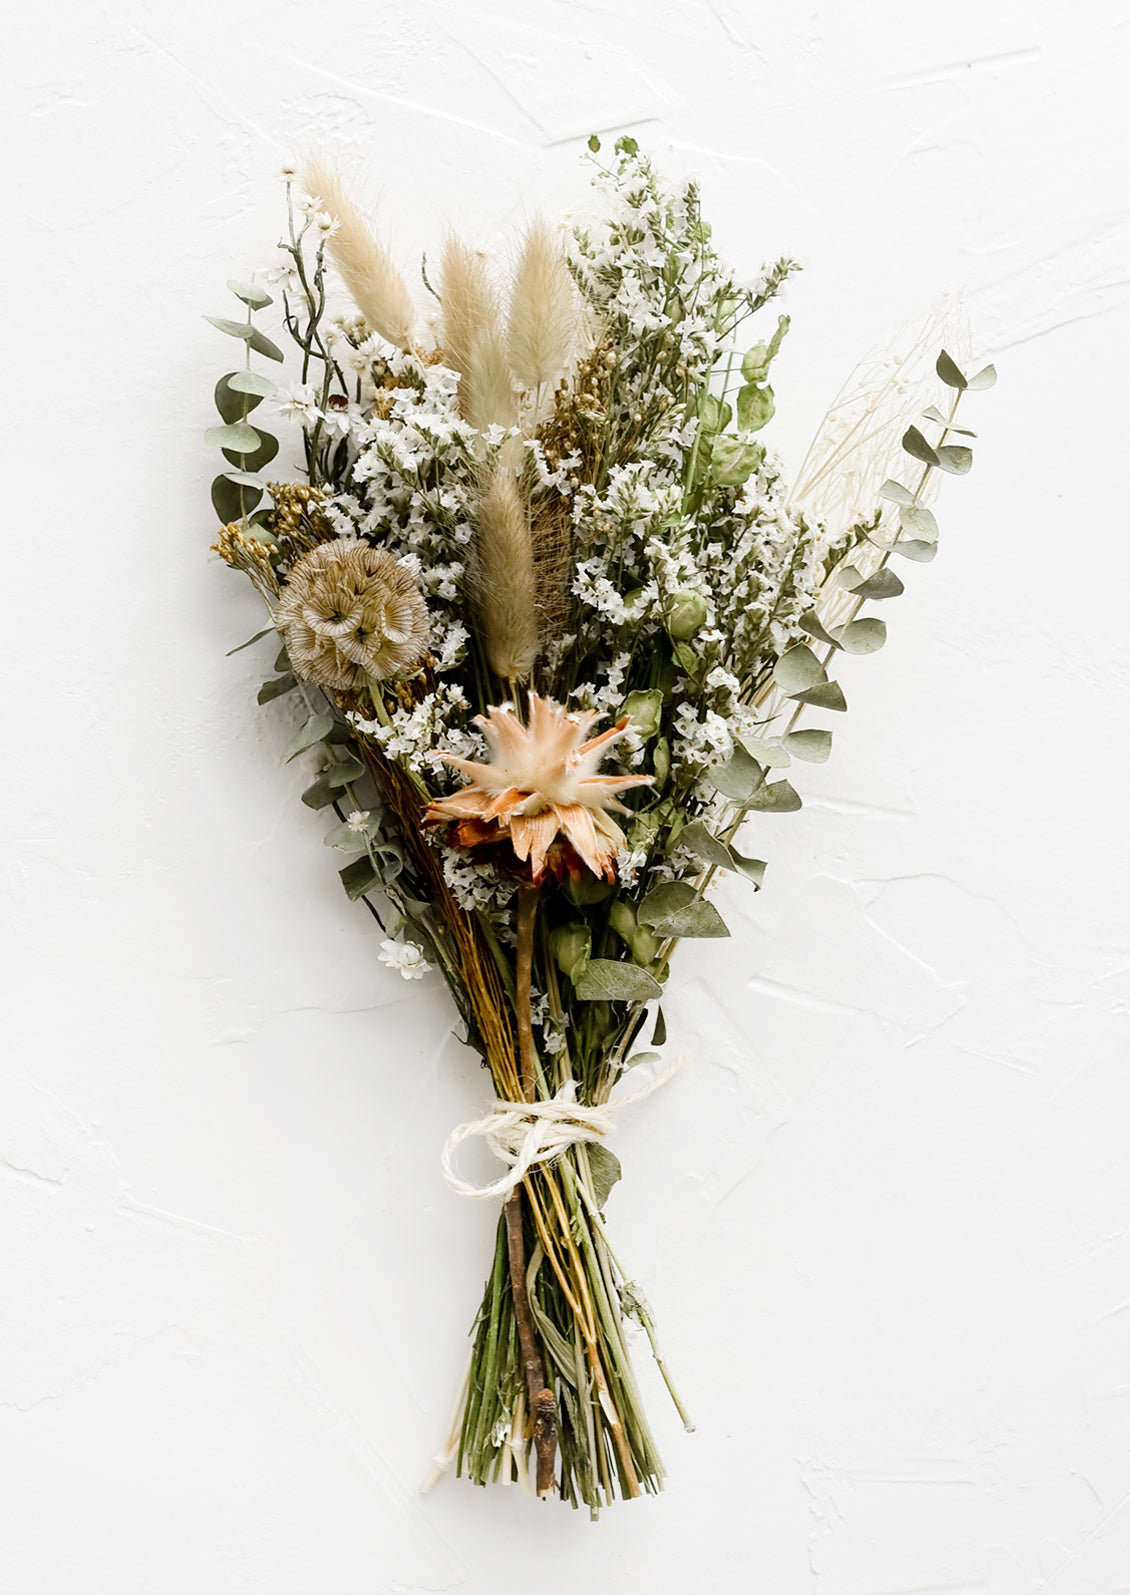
x=523, y=1134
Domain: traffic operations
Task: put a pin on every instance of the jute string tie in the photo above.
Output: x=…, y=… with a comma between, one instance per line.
x=523, y=1134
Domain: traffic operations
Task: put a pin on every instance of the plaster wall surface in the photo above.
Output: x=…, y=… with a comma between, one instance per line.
x=884, y=1217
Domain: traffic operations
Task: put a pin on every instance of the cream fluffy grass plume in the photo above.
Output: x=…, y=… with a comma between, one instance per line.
x=558, y=627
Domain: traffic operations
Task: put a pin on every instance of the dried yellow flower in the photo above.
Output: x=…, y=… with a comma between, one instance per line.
x=350, y=614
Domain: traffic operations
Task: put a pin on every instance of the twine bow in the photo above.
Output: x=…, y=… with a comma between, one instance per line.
x=523, y=1134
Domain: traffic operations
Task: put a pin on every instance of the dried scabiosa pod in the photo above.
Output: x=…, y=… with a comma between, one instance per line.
x=351, y=614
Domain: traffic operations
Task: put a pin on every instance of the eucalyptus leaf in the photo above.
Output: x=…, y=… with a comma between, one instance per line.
x=234, y=329
x=261, y=453
x=231, y=502
x=252, y=383
x=275, y=689
x=259, y=635
x=911, y=548
x=251, y=294
x=282, y=659
x=882, y=583
x=237, y=437
x=895, y=493
x=810, y=745
x=345, y=839
x=950, y=374
x=263, y=345
x=985, y=378
x=316, y=729
x=812, y=624
x=738, y=778
x=245, y=479
x=233, y=405
x=917, y=447
x=659, y=1034
x=344, y=771
x=825, y=695
x=320, y=795
x=663, y=901
x=359, y=877
x=752, y=868
x=700, y=919
x=607, y=980
x=705, y=846
x=772, y=755
x=865, y=636
x=798, y=669
x=776, y=798
x=956, y=459
x=919, y=523
x=604, y=1167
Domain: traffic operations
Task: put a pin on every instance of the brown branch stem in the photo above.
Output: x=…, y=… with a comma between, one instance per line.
x=543, y=1407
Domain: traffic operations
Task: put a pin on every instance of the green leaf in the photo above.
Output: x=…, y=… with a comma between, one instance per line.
x=705, y=846
x=316, y=729
x=263, y=345
x=733, y=462
x=259, y=635
x=770, y=754
x=895, y=493
x=949, y=373
x=798, y=669
x=756, y=406
x=282, y=660
x=245, y=479
x=344, y=771
x=645, y=710
x=626, y=145
x=752, y=868
x=238, y=437
x=985, y=378
x=700, y=919
x=934, y=414
x=714, y=415
x=956, y=459
x=594, y=143
x=234, y=329
x=320, y=795
x=607, y=980
x=345, y=839
x=862, y=636
x=659, y=1034
x=604, y=1166
x=275, y=689
x=359, y=877
x=250, y=293
x=230, y=502
x=917, y=447
x=825, y=695
x=262, y=454
x=739, y=778
x=570, y=947
x=776, y=798
x=811, y=746
x=251, y=382
x=919, y=523
x=883, y=583
x=756, y=362
x=663, y=901
x=911, y=548
x=811, y=623
x=233, y=405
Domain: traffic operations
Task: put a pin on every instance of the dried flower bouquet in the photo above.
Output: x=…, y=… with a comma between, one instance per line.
x=554, y=616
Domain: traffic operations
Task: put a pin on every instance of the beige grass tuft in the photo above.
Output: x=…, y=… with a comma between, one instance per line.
x=542, y=327
x=472, y=339
x=367, y=267
x=503, y=580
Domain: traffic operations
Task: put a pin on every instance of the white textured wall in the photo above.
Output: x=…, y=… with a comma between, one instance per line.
x=883, y=1220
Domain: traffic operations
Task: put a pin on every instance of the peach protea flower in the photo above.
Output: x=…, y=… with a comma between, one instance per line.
x=540, y=802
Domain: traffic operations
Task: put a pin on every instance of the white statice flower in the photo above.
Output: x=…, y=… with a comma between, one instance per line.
x=406, y=957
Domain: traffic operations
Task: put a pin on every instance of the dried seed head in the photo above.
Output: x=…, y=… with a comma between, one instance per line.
x=351, y=614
